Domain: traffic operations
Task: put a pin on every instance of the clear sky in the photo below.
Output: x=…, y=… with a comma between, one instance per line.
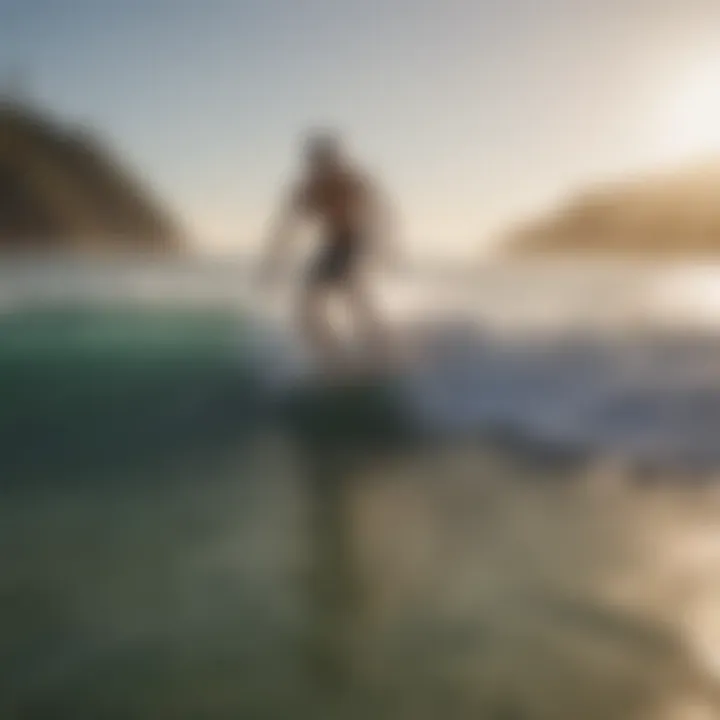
x=473, y=111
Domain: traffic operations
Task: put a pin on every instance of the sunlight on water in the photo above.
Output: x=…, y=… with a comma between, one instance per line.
x=698, y=559
x=690, y=295
x=545, y=295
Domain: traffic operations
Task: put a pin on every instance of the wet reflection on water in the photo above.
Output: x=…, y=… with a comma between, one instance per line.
x=443, y=584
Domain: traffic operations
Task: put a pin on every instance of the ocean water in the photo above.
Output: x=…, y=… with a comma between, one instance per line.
x=609, y=359
x=193, y=526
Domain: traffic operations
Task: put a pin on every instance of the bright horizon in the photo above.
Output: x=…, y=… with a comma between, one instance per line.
x=472, y=114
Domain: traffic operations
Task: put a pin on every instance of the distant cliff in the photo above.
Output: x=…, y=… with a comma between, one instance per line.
x=61, y=189
x=668, y=215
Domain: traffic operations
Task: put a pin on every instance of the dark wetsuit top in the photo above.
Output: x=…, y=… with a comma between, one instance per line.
x=339, y=202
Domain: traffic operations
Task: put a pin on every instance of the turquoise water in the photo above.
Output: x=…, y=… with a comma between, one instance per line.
x=108, y=383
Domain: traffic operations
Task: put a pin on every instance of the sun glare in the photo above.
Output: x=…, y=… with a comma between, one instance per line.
x=694, y=123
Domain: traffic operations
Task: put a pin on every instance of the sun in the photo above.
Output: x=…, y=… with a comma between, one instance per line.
x=693, y=127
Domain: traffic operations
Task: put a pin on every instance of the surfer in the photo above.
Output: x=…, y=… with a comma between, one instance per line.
x=352, y=214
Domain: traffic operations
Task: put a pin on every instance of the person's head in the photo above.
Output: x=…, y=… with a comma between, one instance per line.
x=322, y=151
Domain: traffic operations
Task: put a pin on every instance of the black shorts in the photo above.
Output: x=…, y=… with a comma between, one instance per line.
x=336, y=261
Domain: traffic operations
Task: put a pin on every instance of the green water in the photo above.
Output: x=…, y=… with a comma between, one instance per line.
x=109, y=385
x=169, y=551
x=253, y=581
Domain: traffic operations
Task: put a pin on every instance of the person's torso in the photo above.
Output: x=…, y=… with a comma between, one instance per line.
x=337, y=201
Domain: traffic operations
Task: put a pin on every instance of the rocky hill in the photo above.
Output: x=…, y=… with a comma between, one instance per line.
x=669, y=214
x=62, y=189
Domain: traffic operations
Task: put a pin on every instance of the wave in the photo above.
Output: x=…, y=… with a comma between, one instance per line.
x=82, y=382
x=647, y=397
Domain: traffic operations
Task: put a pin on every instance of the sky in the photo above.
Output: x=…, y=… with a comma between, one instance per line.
x=473, y=113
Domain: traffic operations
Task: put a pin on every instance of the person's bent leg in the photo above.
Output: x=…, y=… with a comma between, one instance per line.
x=316, y=327
x=366, y=318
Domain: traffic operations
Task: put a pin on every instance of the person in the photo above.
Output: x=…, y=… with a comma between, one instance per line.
x=353, y=216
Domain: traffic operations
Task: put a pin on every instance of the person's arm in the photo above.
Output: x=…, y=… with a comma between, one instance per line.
x=282, y=231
